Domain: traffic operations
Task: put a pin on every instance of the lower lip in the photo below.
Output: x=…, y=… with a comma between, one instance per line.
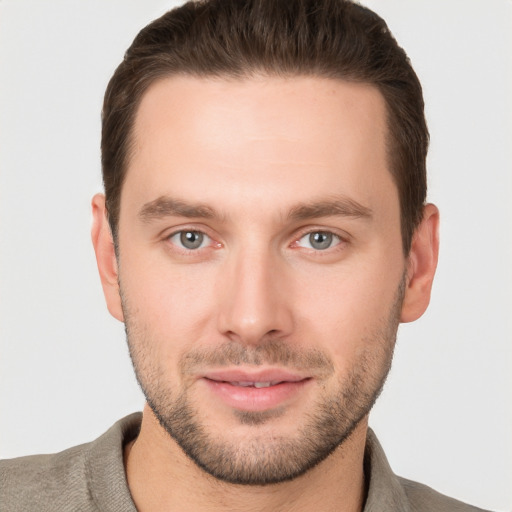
x=256, y=399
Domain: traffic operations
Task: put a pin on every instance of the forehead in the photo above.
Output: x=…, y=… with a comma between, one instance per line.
x=261, y=135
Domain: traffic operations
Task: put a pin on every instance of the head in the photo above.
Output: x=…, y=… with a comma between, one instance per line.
x=264, y=228
x=336, y=39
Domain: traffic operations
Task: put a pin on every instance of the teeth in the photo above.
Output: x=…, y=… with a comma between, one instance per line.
x=262, y=384
x=247, y=384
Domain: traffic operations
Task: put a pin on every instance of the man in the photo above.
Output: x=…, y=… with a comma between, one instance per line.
x=263, y=232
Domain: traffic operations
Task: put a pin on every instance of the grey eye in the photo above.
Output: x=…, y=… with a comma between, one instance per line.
x=189, y=239
x=320, y=240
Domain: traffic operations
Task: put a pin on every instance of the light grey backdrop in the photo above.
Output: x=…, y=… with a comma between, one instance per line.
x=445, y=417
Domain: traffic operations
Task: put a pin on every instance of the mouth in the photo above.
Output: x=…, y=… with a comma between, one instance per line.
x=255, y=391
x=245, y=384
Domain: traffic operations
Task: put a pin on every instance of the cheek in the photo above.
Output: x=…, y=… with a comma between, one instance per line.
x=348, y=310
x=172, y=302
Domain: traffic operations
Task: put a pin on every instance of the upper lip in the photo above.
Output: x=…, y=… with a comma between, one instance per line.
x=247, y=375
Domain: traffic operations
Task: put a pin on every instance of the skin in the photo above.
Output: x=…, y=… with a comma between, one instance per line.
x=253, y=153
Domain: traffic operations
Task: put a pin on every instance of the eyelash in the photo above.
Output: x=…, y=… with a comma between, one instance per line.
x=341, y=241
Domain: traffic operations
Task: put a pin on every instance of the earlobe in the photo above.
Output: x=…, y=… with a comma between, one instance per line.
x=421, y=265
x=105, y=256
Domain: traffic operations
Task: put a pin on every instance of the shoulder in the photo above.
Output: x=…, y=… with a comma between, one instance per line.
x=389, y=492
x=81, y=478
x=43, y=480
x=425, y=499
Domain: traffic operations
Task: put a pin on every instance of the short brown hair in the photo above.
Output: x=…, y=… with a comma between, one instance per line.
x=238, y=38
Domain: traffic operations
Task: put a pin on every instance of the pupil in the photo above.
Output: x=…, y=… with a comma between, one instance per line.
x=191, y=239
x=320, y=240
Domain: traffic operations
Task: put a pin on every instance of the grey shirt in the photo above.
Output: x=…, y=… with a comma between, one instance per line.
x=91, y=478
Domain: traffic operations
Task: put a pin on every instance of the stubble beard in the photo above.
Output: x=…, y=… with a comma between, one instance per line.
x=263, y=459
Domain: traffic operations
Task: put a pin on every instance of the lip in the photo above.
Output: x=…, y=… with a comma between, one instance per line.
x=285, y=386
x=260, y=375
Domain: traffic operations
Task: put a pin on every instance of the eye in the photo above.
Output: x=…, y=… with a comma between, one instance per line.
x=319, y=240
x=190, y=240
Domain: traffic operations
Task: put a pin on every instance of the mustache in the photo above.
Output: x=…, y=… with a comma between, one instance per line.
x=271, y=353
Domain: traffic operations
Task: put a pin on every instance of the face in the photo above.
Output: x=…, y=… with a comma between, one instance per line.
x=260, y=267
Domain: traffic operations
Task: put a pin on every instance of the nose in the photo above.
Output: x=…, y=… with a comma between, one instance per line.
x=255, y=300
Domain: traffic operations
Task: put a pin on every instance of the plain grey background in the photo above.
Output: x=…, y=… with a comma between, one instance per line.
x=445, y=417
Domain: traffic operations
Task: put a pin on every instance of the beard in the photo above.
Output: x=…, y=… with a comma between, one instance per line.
x=263, y=457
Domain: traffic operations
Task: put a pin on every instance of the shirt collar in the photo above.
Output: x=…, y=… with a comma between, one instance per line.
x=385, y=493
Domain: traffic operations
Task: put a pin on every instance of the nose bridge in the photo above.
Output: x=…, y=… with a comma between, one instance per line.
x=253, y=304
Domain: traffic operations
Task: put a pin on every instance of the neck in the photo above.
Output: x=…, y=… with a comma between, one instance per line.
x=161, y=477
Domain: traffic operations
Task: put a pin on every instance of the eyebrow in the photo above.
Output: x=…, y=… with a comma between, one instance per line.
x=340, y=206
x=165, y=206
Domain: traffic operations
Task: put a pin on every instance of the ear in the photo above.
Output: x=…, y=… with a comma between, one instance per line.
x=105, y=256
x=421, y=265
